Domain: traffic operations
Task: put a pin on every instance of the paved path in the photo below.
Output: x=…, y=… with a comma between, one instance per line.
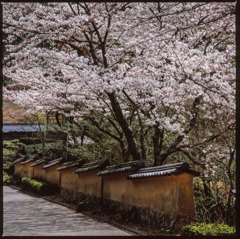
x=25, y=215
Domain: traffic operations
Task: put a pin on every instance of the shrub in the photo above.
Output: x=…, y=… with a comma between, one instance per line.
x=8, y=154
x=6, y=178
x=10, y=148
x=214, y=204
x=11, y=179
x=97, y=151
x=49, y=147
x=210, y=229
x=15, y=180
x=29, y=140
x=8, y=167
x=42, y=188
x=30, y=184
x=33, y=140
x=10, y=144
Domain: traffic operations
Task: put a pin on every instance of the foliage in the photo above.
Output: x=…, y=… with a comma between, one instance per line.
x=6, y=178
x=8, y=154
x=214, y=201
x=29, y=140
x=8, y=167
x=203, y=229
x=27, y=183
x=49, y=147
x=107, y=149
x=11, y=179
x=39, y=187
x=11, y=144
x=10, y=148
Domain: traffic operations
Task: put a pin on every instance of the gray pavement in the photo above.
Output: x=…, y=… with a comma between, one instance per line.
x=24, y=215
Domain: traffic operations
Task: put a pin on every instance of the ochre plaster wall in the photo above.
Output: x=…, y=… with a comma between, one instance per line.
x=89, y=183
x=69, y=179
x=39, y=172
x=27, y=170
x=17, y=168
x=166, y=194
x=115, y=186
x=52, y=175
x=185, y=199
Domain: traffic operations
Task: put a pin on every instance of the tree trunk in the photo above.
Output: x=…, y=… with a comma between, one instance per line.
x=142, y=138
x=156, y=148
x=132, y=147
x=57, y=119
x=125, y=155
x=160, y=160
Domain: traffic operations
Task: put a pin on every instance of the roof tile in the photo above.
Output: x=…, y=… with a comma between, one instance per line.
x=120, y=168
x=92, y=166
x=19, y=160
x=170, y=169
x=53, y=162
x=40, y=161
x=71, y=164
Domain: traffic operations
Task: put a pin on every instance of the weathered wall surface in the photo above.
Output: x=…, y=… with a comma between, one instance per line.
x=52, y=175
x=185, y=199
x=172, y=195
x=89, y=183
x=18, y=169
x=27, y=170
x=115, y=187
x=39, y=172
x=69, y=179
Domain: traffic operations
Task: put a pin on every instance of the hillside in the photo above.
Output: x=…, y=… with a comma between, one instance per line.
x=12, y=113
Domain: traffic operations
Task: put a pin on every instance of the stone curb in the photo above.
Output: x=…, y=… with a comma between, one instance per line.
x=113, y=223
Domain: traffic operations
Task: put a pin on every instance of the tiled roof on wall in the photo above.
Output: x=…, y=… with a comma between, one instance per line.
x=71, y=164
x=170, y=169
x=119, y=168
x=30, y=158
x=52, y=163
x=22, y=158
x=40, y=161
x=91, y=166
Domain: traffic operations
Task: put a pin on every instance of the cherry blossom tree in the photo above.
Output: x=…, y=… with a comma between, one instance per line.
x=148, y=75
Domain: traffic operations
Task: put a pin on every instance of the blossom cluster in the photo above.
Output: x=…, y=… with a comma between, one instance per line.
x=157, y=58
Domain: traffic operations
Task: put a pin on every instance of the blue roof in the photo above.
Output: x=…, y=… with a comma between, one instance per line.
x=20, y=128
